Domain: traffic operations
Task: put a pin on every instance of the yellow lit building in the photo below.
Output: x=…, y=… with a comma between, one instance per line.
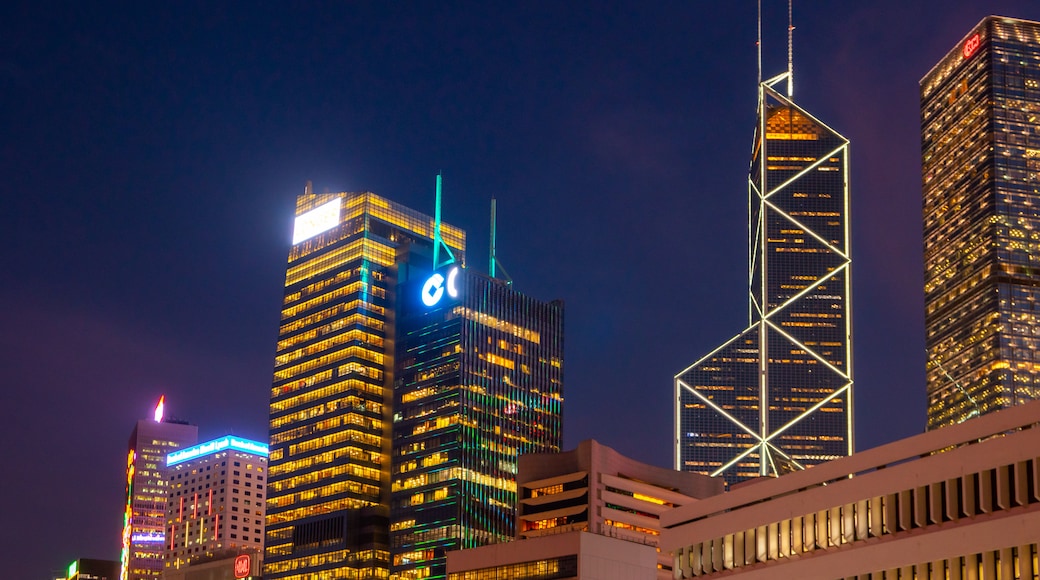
x=980, y=148
x=328, y=483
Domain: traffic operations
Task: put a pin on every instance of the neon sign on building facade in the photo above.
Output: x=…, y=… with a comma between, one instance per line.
x=436, y=286
x=215, y=446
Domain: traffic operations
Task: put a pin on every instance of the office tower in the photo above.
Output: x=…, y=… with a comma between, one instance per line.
x=479, y=383
x=980, y=148
x=328, y=481
x=215, y=501
x=778, y=396
x=144, y=518
x=582, y=511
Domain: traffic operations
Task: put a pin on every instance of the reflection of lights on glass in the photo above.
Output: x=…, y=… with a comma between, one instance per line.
x=160, y=408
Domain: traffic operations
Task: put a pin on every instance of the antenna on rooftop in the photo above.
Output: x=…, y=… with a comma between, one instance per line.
x=309, y=188
x=790, y=48
x=758, y=43
x=493, y=258
x=438, y=241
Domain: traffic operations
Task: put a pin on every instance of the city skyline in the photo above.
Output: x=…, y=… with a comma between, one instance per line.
x=153, y=156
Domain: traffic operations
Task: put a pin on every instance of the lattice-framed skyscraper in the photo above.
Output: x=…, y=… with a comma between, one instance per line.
x=980, y=158
x=778, y=396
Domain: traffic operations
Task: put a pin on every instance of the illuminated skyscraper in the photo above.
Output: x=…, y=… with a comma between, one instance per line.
x=328, y=483
x=479, y=382
x=980, y=146
x=778, y=396
x=144, y=518
x=216, y=501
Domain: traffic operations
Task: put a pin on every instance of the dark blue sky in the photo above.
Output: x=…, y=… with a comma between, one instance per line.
x=151, y=155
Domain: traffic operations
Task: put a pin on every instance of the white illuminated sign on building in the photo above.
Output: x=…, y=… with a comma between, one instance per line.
x=320, y=219
x=434, y=288
x=214, y=446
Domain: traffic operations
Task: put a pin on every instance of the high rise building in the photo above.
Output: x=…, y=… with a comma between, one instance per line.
x=479, y=382
x=585, y=512
x=144, y=518
x=778, y=396
x=980, y=147
x=215, y=501
x=328, y=482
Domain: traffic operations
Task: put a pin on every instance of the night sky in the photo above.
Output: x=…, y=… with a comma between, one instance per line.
x=151, y=157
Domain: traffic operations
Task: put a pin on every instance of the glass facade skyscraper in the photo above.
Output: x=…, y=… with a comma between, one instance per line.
x=329, y=466
x=479, y=382
x=980, y=146
x=778, y=396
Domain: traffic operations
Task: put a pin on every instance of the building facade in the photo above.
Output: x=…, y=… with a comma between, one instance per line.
x=778, y=396
x=479, y=383
x=328, y=482
x=980, y=147
x=216, y=502
x=596, y=489
x=574, y=555
x=144, y=517
x=961, y=502
x=91, y=569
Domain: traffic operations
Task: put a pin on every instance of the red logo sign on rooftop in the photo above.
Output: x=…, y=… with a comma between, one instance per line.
x=971, y=46
x=242, y=566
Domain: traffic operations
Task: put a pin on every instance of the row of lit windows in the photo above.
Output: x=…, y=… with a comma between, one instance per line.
x=318, y=459
x=334, y=422
x=352, y=402
x=335, y=311
x=365, y=338
x=290, y=311
x=314, y=510
x=498, y=324
x=990, y=491
x=363, y=248
x=327, y=391
x=330, y=473
x=329, y=358
x=551, y=569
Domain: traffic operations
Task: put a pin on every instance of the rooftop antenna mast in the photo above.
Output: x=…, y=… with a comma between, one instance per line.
x=758, y=43
x=790, y=48
x=438, y=241
x=493, y=258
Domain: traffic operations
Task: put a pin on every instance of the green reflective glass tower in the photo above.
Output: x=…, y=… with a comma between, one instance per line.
x=778, y=396
x=479, y=382
x=980, y=147
x=329, y=465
